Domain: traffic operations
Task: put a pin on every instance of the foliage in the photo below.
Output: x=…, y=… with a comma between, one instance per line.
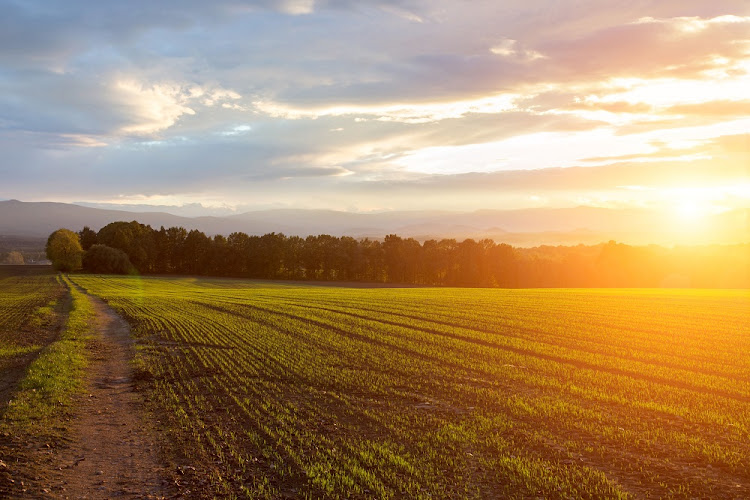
x=106, y=260
x=31, y=248
x=88, y=237
x=446, y=262
x=14, y=258
x=273, y=390
x=133, y=238
x=64, y=250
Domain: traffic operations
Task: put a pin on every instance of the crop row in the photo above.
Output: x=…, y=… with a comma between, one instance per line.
x=324, y=391
x=24, y=302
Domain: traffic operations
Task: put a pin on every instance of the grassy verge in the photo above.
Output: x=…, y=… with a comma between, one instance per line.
x=51, y=380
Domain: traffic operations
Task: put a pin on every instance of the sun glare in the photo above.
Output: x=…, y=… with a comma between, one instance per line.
x=690, y=210
x=691, y=205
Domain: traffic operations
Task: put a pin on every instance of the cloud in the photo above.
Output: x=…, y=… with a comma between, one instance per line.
x=308, y=101
x=71, y=105
x=150, y=109
x=290, y=172
x=406, y=113
x=509, y=48
x=565, y=185
x=297, y=7
x=722, y=108
x=650, y=48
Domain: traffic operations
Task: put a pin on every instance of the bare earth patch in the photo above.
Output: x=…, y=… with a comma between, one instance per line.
x=112, y=452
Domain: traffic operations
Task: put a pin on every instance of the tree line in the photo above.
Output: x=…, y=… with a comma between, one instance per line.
x=131, y=247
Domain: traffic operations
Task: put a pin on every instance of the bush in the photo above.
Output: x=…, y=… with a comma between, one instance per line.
x=107, y=260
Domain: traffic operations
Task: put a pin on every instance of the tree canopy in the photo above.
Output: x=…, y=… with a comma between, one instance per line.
x=395, y=259
x=106, y=260
x=15, y=258
x=64, y=250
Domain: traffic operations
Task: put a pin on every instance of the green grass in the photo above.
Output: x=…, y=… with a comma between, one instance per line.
x=30, y=307
x=16, y=351
x=54, y=376
x=310, y=391
x=27, y=303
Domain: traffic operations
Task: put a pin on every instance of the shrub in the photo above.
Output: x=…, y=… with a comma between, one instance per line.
x=107, y=260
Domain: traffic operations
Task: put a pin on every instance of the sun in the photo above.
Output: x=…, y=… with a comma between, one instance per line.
x=692, y=209
x=691, y=205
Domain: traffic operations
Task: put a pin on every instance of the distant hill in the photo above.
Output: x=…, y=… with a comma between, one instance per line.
x=528, y=227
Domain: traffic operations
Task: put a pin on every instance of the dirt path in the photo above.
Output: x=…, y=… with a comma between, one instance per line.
x=112, y=452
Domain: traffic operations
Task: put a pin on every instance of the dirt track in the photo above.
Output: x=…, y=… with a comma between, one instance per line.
x=111, y=452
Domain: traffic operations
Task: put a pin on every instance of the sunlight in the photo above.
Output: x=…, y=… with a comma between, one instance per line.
x=666, y=92
x=691, y=205
x=690, y=210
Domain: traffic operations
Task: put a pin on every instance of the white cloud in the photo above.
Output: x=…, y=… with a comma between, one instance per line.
x=151, y=108
x=566, y=149
x=220, y=96
x=148, y=108
x=667, y=92
x=402, y=13
x=238, y=130
x=404, y=113
x=506, y=47
x=297, y=7
x=694, y=24
x=510, y=48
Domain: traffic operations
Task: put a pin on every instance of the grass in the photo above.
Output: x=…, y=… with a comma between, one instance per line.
x=271, y=390
x=54, y=376
x=30, y=310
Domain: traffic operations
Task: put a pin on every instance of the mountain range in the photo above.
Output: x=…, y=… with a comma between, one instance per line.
x=525, y=227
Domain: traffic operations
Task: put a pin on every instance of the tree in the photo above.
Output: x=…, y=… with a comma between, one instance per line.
x=15, y=258
x=64, y=250
x=107, y=260
x=239, y=254
x=88, y=237
x=133, y=238
x=197, y=253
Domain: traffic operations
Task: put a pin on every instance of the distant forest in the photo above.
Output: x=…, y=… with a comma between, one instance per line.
x=446, y=262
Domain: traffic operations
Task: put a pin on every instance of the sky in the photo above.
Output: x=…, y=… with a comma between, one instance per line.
x=228, y=106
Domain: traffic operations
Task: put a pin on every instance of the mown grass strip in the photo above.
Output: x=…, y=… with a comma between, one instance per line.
x=55, y=375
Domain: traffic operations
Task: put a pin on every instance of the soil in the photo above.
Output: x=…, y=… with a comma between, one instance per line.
x=109, y=449
x=13, y=369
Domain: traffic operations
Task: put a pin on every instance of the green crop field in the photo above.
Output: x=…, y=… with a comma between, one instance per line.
x=28, y=305
x=310, y=391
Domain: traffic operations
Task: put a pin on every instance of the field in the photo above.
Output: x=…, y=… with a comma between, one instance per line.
x=30, y=305
x=271, y=390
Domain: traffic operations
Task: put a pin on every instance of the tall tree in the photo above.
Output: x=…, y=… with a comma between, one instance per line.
x=88, y=237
